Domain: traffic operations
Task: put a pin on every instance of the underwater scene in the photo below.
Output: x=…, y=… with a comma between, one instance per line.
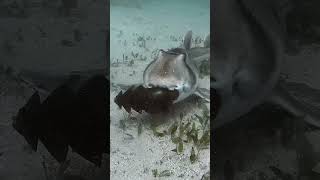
x=159, y=92
x=55, y=85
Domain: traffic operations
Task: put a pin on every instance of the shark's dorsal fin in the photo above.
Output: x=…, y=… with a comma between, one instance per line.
x=187, y=40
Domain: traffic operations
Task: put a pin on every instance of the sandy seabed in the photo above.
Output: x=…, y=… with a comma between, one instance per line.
x=136, y=35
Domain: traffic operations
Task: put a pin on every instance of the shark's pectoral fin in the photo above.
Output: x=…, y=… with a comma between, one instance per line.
x=299, y=109
x=203, y=93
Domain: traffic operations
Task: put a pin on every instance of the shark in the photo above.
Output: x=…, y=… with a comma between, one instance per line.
x=173, y=76
x=248, y=50
x=178, y=69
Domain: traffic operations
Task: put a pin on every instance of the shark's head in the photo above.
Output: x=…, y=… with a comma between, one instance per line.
x=171, y=70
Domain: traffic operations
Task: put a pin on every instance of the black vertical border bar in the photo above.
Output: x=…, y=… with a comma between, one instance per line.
x=107, y=56
x=212, y=152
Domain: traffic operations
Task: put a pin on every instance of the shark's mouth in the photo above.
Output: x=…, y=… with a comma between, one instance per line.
x=216, y=103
